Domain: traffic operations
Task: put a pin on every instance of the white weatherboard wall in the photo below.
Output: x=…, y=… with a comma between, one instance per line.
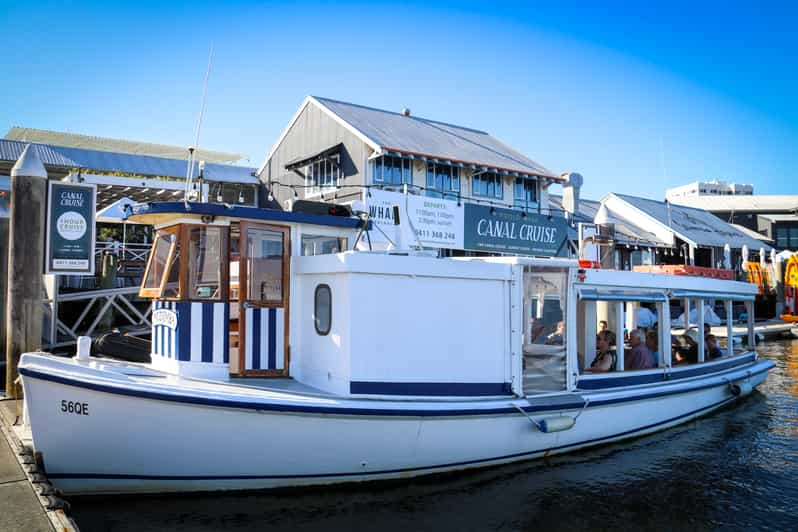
x=402, y=319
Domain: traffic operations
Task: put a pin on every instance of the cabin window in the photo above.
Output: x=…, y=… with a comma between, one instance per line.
x=545, y=331
x=161, y=260
x=265, y=265
x=322, y=309
x=172, y=286
x=205, y=254
x=322, y=244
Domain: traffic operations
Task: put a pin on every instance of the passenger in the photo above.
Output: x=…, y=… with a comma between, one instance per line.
x=711, y=346
x=606, y=359
x=558, y=336
x=639, y=357
x=538, y=332
x=652, y=342
x=685, y=349
x=604, y=329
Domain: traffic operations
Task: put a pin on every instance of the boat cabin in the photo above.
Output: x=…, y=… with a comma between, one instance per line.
x=242, y=292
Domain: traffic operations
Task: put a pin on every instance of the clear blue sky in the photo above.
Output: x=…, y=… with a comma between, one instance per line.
x=636, y=98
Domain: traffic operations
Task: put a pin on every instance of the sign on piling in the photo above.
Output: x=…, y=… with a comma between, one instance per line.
x=71, y=228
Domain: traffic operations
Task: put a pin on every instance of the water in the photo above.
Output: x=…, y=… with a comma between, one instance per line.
x=736, y=469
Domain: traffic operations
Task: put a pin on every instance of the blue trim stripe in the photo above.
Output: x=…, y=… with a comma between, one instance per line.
x=588, y=383
x=255, y=328
x=450, y=389
x=593, y=441
x=207, y=331
x=763, y=366
x=272, y=362
x=183, y=344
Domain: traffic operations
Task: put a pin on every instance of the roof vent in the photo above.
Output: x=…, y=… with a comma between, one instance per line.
x=406, y=111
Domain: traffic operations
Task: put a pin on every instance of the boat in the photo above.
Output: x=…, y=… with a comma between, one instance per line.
x=285, y=356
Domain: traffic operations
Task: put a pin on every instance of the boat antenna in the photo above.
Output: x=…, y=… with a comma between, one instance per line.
x=192, y=150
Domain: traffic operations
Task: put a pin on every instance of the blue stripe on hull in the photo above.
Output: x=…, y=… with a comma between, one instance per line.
x=226, y=333
x=256, y=332
x=183, y=344
x=207, y=332
x=272, y=338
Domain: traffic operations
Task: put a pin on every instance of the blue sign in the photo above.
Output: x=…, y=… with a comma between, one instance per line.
x=497, y=230
x=71, y=231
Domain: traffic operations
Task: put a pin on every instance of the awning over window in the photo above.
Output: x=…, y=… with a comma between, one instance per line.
x=692, y=294
x=595, y=295
x=324, y=155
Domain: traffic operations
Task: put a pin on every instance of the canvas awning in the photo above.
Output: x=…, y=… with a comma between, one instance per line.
x=693, y=294
x=595, y=295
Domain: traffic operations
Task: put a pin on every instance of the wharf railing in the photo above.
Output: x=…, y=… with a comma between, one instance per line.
x=114, y=305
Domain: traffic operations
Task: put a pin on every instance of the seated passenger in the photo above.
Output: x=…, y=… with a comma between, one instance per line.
x=638, y=357
x=711, y=346
x=606, y=359
x=652, y=342
x=685, y=349
x=558, y=336
x=604, y=329
x=539, y=332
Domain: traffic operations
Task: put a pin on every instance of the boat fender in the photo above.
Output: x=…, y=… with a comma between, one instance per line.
x=740, y=389
x=556, y=423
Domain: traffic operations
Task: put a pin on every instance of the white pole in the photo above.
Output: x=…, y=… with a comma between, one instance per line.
x=665, y=334
x=729, y=327
x=619, y=334
x=749, y=308
x=699, y=312
x=686, y=315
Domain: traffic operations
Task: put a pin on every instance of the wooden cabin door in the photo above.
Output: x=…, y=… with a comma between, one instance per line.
x=263, y=317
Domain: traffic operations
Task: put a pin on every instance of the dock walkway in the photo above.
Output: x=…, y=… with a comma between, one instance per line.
x=22, y=508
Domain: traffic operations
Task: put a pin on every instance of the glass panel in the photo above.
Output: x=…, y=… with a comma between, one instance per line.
x=322, y=244
x=544, y=344
x=172, y=288
x=158, y=257
x=265, y=265
x=322, y=309
x=205, y=255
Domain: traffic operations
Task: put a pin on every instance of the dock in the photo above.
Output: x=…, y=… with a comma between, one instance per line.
x=28, y=502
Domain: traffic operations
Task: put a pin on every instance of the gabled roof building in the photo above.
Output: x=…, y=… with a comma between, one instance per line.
x=331, y=150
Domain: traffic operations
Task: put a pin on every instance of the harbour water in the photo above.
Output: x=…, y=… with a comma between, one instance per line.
x=736, y=469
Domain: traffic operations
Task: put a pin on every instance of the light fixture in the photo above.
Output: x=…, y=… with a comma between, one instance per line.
x=493, y=210
x=296, y=194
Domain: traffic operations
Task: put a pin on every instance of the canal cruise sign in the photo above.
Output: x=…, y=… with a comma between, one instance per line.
x=71, y=231
x=498, y=230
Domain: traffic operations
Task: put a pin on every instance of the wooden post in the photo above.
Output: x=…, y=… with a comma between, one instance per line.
x=25, y=261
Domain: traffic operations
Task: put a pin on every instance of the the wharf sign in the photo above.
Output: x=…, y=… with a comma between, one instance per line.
x=71, y=231
x=509, y=231
x=425, y=221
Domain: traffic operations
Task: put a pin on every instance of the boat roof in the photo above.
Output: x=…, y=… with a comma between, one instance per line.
x=160, y=212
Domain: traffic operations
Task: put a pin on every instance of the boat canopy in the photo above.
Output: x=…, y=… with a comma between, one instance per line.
x=595, y=295
x=693, y=294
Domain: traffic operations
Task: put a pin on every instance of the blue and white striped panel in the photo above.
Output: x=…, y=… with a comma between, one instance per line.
x=265, y=340
x=201, y=335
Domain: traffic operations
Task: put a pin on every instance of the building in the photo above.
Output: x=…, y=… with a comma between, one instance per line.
x=646, y=231
x=331, y=150
x=773, y=216
x=709, y=188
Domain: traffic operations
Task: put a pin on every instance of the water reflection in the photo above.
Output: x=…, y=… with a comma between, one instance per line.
x=735, y=469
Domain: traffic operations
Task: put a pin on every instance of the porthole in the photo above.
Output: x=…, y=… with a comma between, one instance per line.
x=322, y=309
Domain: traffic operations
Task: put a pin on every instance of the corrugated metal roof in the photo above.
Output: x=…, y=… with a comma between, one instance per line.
x=752, y=233
x=626, y=232
x=756, y=203
x=420, y=136
x=90, y=142
x=124, y=163
x=696, y=225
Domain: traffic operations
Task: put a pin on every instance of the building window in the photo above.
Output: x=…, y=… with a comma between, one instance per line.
x=525, y=193
x=322, y=309
x=487, y=185
x=392, y=171
x=442, y=181
x=324, y=174
x=786, y=237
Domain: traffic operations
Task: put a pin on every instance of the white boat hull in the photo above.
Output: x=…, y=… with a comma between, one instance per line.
x=139, y=441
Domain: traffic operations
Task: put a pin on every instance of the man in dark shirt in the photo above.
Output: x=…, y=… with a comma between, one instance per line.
x=638, y=357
